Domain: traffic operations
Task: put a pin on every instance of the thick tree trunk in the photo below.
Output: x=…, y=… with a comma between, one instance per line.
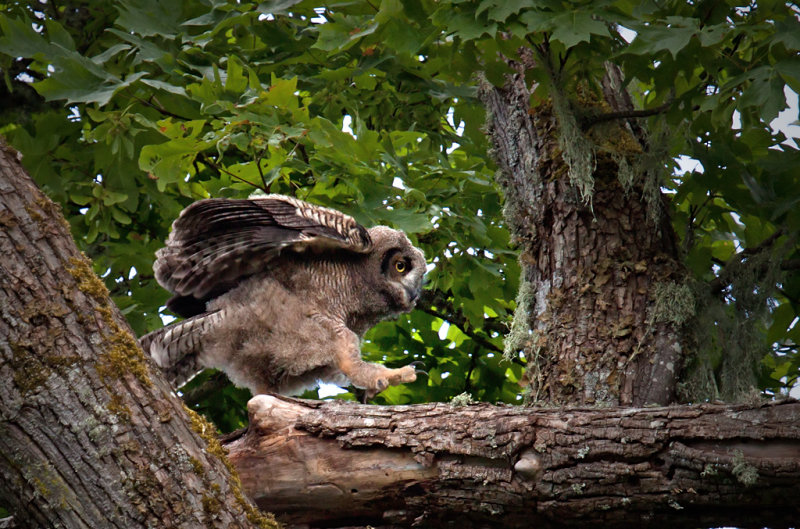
x=88, y=438
x=340, y=464
x=590, y=269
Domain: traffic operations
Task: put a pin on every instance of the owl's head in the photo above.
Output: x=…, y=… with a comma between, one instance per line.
x=400, y=265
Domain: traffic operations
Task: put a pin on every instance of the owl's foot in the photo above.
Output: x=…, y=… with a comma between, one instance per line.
x=393, y=377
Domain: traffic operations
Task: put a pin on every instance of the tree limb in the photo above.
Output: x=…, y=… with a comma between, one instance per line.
x=590, y=121
x=336, y=464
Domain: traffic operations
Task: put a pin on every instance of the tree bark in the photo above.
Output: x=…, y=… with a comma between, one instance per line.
x=590, y=264
x=90, y=434
x=335, y=464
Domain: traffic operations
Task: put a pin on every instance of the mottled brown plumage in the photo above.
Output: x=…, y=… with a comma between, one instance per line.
x=278, y=294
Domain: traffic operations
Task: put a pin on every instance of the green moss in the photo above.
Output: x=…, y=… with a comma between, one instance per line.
x=34, y=213
x=211, y=505
x=123, y=357
x=118, y=407
x=48, y=211
x=207, y=432
x=197, y=466
x=88, y=282
x=122, y=354
x=48, y=484
x=37, y=311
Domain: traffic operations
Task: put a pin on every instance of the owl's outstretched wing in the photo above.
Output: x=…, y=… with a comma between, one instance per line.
x=215, y=243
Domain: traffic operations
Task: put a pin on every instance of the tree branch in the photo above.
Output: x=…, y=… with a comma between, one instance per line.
x=501, y=466
x=588, y=122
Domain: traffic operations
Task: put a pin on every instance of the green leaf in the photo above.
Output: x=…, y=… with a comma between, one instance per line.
x=577, y=26
x=464, y=24
x=18, y=39
x=672, y=36
x=501, y=10
x=343, y=32
x=276, y=7
x=148, y=17
x=281, y=93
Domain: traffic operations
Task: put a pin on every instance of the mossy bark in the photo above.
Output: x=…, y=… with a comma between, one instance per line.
x=90, y=434
x=593, y=248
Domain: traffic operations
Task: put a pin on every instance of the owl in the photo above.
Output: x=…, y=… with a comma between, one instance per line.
x=278, y=293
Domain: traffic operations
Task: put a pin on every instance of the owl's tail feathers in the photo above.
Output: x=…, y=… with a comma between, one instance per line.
x=175, y=348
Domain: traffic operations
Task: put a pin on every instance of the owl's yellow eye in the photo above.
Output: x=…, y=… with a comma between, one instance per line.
x=400, y=266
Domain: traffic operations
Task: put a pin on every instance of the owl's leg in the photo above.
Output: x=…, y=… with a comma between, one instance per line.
x=374, y=378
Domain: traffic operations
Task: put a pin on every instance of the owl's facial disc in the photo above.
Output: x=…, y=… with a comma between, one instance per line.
x=401, y=265
x=408, y=270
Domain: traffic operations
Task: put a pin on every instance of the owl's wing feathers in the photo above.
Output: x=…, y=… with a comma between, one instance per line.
x=175, y=347
x=217, y=242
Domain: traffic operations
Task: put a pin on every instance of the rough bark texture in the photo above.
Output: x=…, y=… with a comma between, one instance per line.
x=87, y=437
x=589, y=269
x=341, y=464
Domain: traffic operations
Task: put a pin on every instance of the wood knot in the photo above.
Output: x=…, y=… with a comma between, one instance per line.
x=529, y=465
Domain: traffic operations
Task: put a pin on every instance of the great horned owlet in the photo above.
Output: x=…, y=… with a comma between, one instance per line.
x=278, y=293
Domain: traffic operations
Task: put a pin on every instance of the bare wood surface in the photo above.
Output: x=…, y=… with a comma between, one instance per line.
x=90, y=435
x=341, y=464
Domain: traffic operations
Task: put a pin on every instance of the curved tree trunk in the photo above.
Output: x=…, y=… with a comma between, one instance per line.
x=336, y=464
x=90, y=436
x=590, y=264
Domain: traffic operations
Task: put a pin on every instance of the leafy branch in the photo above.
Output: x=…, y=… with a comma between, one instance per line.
x=435, y=303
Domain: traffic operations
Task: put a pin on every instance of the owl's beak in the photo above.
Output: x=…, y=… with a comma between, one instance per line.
x=413, y=294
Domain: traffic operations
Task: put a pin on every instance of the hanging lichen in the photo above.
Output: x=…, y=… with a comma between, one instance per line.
x=728, y=332
x=520, y=335
x=651, y=167
x=522, y=338
x=672, y=303
x=576, y=149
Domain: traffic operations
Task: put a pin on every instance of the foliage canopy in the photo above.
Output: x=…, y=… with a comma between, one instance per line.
x=370, y=107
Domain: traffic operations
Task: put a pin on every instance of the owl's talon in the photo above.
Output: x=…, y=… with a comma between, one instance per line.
x=367, y=396
x=416, y=365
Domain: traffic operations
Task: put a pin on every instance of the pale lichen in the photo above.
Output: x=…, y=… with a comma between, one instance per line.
x=462, y=399
x=744, y=472
x=576, y=149
x=671, y=303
